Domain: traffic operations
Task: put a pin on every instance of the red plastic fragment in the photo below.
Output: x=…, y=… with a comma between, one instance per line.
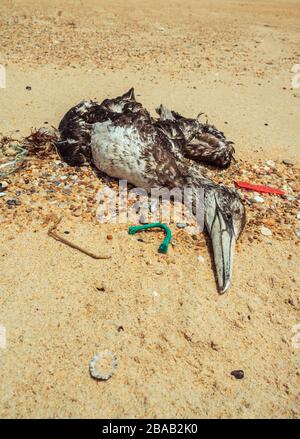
x=259, y=188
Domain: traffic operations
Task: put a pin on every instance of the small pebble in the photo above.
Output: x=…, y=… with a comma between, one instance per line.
x=143, y=219
x=298, y=215
x=13, y=202
x=288, y=162
x=271, y=164
x=3, y=185
x=265, y=231
x=28, y=87
x=288, y=197
x=258, y=199
x=297, y=233
x=238, y=374
x=109, y=237
x=77, y=212
x=181, y=225
x=200, y=258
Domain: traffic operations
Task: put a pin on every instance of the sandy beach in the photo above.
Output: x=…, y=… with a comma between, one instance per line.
x=176, y=339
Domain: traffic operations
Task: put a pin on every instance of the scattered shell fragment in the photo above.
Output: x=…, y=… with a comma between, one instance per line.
x=201, y=258
x=288, y=162
x=38, y=173
x=271, y=164
x=258, y=199
x=289, y=197
x=265, y=231
x=298, y=215
x=3, y=185
x=94, y=365
x=13, y=202
x=181, y=225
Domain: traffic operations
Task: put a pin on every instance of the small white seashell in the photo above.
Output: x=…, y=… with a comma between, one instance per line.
x=270, y=164
x=201, y=258
x=258, y=199
x=265, y=231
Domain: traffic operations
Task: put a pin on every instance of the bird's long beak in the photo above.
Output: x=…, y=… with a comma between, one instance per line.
x=223, y=240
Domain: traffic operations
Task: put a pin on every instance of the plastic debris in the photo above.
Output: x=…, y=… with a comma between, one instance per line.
x=163, y=248
x=259, y=188
x=94, y=365
x=11, y=166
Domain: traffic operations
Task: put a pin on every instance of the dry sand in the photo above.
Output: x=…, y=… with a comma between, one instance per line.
x=176, y=348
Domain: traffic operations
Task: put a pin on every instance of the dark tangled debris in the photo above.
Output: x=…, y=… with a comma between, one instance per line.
x=40, y=142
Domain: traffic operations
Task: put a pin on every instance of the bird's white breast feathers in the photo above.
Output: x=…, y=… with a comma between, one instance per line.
x=118, y=151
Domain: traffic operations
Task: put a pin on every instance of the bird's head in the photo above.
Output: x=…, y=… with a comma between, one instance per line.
x=225, y=220
x=116, y=105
